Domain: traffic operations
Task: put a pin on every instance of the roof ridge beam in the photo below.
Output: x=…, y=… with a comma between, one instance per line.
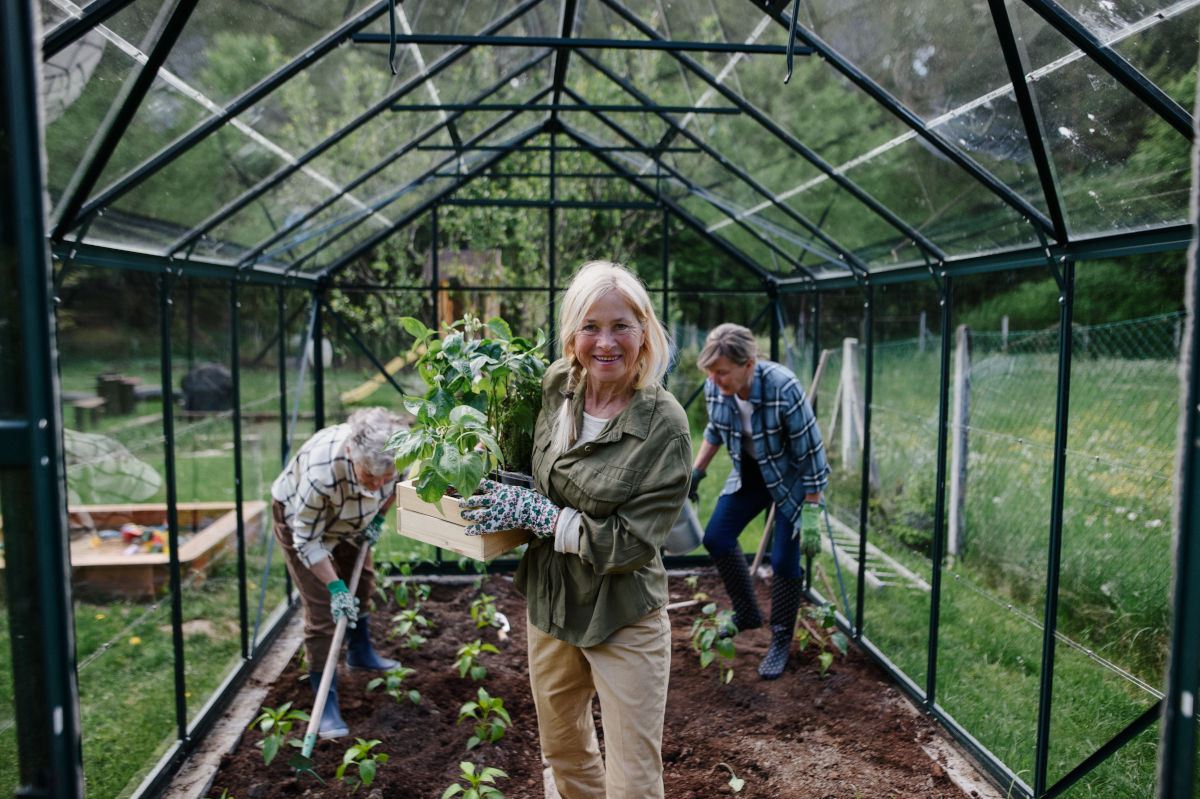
x=281, y=174
x=745, y=176
x=241, y=103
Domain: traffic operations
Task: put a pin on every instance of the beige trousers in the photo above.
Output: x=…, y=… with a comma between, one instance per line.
x=629, y=672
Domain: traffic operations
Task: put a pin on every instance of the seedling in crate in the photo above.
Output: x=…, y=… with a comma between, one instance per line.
x=692, y=583
x=490, y=716
x=391, y=682
x=468, y=659
x=277, y=726
x=368, y=762
x=706, y=640
x=477, y=790
x=824, y=615
x=735, y=782
x=407, y=621
x=483, y=612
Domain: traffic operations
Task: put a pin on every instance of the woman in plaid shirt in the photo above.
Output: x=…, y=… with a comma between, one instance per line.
x=759, y=411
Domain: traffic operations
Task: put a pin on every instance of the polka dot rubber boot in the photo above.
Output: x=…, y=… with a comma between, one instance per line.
x=740, y=587
x=785, y=602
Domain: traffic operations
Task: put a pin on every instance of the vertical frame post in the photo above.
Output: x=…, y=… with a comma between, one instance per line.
x=168, y=400
x=281, y=307
x=939, y=509
x=32, y=478
x=1066, y=308
x=434, y=279
x=666, y=268
x=816, y=330
x=235, y=370
x=551, y=260
x=318, y=356
x=864, y=507
x=773, y=313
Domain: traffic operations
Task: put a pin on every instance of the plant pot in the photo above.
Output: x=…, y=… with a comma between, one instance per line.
x=512, y=478
x=421, y=521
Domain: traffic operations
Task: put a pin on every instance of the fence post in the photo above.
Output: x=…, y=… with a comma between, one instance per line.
x=921, y=334
x=957, y=537
x=849, y=396
x=1004, y=333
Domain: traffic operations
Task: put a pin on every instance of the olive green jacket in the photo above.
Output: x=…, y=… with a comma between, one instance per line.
x=629, y=485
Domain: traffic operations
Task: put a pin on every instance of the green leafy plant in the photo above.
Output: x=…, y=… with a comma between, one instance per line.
x=477, y=789
x=407, y=622
x=824, y=616
x=368, y=763
x=735, y=782
x=276, y=725
x=468, y=659
x=490, y=716
x=707, y=640
x=693, y=583
x=405, y=590
x=442, y=445
x=483, y=612
x=391, y=680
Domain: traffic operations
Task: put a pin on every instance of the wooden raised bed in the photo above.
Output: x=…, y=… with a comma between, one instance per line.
x=104, y=569
x=421, y=521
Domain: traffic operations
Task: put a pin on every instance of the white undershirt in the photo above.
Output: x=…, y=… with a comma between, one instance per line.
x=744, y=410
x=566, y=530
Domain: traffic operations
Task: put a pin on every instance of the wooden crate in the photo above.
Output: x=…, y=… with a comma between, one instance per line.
x=105, y=570
x=421, y=521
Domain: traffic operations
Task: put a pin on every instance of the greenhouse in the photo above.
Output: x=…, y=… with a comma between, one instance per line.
x=229, y=224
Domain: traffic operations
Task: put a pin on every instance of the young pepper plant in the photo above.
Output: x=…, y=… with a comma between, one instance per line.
x=391, y=681
x=490, y=716
x=368, y=763
x=277, y=726
x=443, y=446
x=483, y=612
x=407, y=622
x=468, y=659
x=824, y=615
x=477, y=789
x=707, y=640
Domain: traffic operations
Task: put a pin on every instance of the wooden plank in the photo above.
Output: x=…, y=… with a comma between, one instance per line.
x=447, y=535
x=406, y=497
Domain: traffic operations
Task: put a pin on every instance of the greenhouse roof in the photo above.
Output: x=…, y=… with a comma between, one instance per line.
x=275, y=142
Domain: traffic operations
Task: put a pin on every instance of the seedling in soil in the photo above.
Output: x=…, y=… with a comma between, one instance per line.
x=406, y=622
x=483, y=611
x=735, y=782
x=477, y=790
x=824, y=615
x=706, y=639
x=368, y=762
x=403, y=591
x=491, y=717
x=277, y=726
x=391, y=682
x=468, y=657
x=692, y=582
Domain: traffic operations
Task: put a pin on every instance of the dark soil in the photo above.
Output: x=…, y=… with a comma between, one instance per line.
x=798, y=736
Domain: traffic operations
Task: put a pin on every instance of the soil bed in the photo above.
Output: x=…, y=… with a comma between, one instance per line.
x=798, y=736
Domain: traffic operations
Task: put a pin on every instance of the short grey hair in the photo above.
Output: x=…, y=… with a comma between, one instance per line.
x=731, y=341
x=370, y=428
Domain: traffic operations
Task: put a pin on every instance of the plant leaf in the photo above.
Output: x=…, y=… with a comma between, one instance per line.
x=453, y=789
x=726, y=648
x=472, y=742
x=802, y=638
x=270, y=748
x=415, y=327
x=826, y=659
x=838, y=639
x=366, y=770
x=431, y=487
x=706, y=658
x=499, y=328
x=737, y=783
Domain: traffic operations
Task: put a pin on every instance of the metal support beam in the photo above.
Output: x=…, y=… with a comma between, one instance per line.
x=1135, y=728
x=318, y=359
x=33, y=500
x=864, y=505
x=1125, y=73
x=243, y=102
x=562, y=54
x=235, y=371
x=281, y=174
x=108, y=136
x=568, y=43
x=666, y=268
x=345, y=326
x=585, y=148
x=556, y=107
x=116, y=258
x=71, y=30
x=946, y=284
x=596, y=205
x=552, y=251
x=434, y=280
x=773, y=326
x=1017, y=59
x=816, y=334
x=284, y=444
x=176, y=583
x=1066, y=307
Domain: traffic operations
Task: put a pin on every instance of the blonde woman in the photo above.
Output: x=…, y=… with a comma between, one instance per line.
x=611, y=461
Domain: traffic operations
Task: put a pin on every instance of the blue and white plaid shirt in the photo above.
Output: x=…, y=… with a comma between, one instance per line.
x=787, y=442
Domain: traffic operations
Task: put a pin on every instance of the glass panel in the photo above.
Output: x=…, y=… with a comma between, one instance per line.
x=1114, y=600
x=1119, y=166
x=1111, y=20
x=1163, y=51
x=847, y=221
x=993, y=588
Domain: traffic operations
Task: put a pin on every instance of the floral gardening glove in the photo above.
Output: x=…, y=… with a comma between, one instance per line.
x=373, y=531
x=810, y=530
x=342, y=604
x=510, y=508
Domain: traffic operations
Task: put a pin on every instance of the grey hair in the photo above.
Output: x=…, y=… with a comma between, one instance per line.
x=734, y=342
x=370, y=428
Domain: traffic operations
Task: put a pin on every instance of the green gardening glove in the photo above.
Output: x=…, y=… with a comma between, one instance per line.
x=810, y=530
x=373, y=531
x=342, y=604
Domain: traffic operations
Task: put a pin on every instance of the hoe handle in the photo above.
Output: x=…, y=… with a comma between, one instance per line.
x=335, y=648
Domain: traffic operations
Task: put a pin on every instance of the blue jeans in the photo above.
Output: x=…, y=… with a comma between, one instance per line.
x=734, y=511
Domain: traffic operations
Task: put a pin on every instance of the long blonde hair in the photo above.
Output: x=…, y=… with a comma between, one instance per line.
x=593, y=280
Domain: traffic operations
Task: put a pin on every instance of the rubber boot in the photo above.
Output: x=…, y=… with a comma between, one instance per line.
x=360, y=655
x=740, y=587
x=332, y=725
x=785, y=602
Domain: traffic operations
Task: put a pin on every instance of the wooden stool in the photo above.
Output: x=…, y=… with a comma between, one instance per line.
x=83, y=407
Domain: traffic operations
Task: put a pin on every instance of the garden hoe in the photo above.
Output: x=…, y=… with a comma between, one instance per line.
x=303, y=762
